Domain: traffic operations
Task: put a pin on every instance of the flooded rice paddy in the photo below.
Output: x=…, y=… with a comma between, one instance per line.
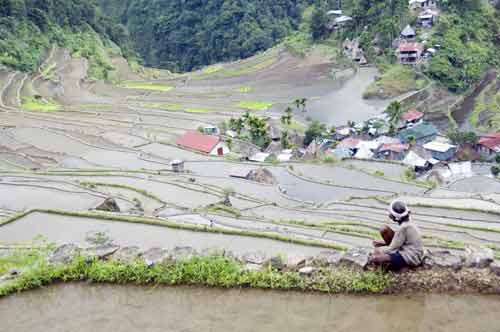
x=100, y=308
x=112, y=142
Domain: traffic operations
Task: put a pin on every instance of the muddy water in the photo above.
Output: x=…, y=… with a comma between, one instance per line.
x=79, y=307
x=347, y=103
x=63, y=229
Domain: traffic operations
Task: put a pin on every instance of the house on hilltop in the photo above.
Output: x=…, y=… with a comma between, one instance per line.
x=208, y=144
x=408, y=33
x=422, y=4
x=410, y=53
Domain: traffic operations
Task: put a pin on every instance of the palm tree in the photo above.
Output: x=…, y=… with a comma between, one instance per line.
x=297, y=103
x=286, y=119
x=303, y=103
x=393, y=111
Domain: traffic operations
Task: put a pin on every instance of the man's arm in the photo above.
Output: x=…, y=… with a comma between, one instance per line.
x=397, y=242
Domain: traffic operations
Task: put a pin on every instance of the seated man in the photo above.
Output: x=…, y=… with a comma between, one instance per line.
x=404, y=247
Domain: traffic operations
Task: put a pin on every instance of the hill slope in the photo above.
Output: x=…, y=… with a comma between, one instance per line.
x=182, y=35
x=29, y=27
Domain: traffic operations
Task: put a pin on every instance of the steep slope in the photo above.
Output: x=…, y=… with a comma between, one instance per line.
x=182, y=35
x=28, y=28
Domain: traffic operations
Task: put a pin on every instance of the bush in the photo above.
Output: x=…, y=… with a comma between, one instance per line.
x=495, y=170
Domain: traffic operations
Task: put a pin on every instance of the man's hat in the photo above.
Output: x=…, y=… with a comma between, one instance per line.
x=398, y=210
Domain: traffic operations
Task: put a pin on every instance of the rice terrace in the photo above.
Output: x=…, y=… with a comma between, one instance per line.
x=257, y=185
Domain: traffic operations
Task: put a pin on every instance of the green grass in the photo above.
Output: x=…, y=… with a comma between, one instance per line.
x=395, y=81
x=245, y=89
x=33, y=104
x=49, y=73
x=295, y=126
x=149, y=86
x=214, y=271
x=179, y=108
x=212, y=69
x=255, y=105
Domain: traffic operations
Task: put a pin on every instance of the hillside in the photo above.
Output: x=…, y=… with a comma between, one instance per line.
x=28, y=28
x=183, y=35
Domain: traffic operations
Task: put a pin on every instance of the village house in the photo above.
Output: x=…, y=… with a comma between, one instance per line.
x=422, y=4
x=408, y=33
x=441, y=151
x=489, y=146
x=211, y=130
x=208, y=144
x=421, y=133
x=427, y=18
x=353, y=51
x=411, y=118
x=410, y=53
x=350, y=143
x=416, y=162
x=392, y=151
x=177, y=166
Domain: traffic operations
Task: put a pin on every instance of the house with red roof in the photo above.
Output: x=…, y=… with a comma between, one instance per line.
x=212, y=145
x=392, y=151
x=410, y=53
x=412, y=116
x=489, y=146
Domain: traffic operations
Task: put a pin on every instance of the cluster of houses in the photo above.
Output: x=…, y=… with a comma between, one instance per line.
x=408, y=50
x=414, y=143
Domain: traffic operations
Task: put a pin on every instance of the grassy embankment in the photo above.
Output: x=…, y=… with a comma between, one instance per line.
x=149, y=86
x=213, y=271
x=255, y=105
x=178, y=108
x=394, y=81
x=33, y=104
x=486, y=113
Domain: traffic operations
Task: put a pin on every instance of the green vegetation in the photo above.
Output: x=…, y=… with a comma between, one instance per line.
x=39, y=105
x=146, y=86
x=255, y=105
x=179, y=108
x=185, y=35
x=394, y=81
x=214, y=271
x=469, y=40
x=29, y=28
x=315, y=130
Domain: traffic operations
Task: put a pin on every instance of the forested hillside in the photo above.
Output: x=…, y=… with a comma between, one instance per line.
x=29, y=27
x=181, y=35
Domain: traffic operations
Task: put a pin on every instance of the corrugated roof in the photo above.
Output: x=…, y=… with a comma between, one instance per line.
x=491, y=141
x=199, y=142
x=408, y=31
x=394, y=147
x=438, y=146
x=411, y=47
x=412, y=115
x=419, y=131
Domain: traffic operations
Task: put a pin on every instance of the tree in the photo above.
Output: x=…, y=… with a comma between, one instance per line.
x=411, y=139
x=297, y=103
x=286, y=119
x=237, y=125
x=303, y=102
x=285, y=140
x=497, y=158
x=315, y=130
x=319, y=21
x=394, y=111
x=495, y=170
